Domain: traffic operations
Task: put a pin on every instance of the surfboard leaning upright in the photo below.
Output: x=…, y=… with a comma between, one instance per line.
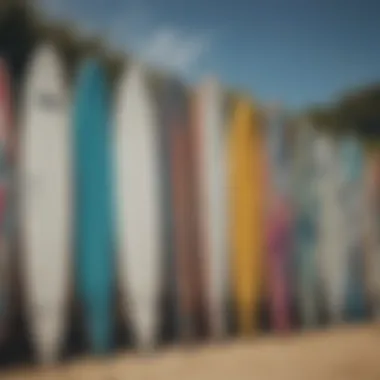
x=245, y=172
x=351, y=154
x=279, y=217
x=6, y=196
x=305, y=229
x=93, y=203
x=332, y=256
x=138, y=195
x=45, y=200
x=212, y=155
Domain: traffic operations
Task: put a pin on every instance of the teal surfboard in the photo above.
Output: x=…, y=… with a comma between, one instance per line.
x=352, y=198
x=94, y=232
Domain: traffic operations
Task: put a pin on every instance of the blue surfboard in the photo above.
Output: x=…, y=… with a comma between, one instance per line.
x=94, y=240
x=351, y=154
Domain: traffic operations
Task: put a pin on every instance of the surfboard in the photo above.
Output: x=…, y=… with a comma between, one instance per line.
x=278, y=223
x=45, y=200
x=93, y=204
x=183, y=204
x=6, y=196
x=139, y=220
x=353, y=207
x=372, y=233
x=245, y=174
x=305, y=228
x=211, y=140
x=332, y=256
x=172, y=314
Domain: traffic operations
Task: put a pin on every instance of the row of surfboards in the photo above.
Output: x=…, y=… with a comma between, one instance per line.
x=119, y=192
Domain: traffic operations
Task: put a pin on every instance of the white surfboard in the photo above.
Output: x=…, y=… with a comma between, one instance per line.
x=137, y=188
x=331, y=248
x=211, y=143
x=45, y=200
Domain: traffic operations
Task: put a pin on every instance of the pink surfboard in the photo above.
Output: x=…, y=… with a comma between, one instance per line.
x=278, y=255
x=5, y=192
x=278, y=225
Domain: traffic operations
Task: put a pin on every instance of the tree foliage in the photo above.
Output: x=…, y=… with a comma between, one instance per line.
x=17, y=35
x=21, y=29
x=357, y=111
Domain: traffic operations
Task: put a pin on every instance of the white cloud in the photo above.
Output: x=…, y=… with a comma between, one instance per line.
x=132, y=28
x=172, y=49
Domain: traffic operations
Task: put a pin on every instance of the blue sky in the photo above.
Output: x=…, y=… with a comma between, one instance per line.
x=296, y=52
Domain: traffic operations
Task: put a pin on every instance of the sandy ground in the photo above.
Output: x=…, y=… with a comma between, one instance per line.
x=345, y=353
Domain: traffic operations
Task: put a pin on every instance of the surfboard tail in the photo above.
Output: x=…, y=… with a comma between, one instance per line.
x=246, y=319
x=335, y=301
x=279, y=254
x=246, y=310
x=307, y=286
x=356, y=300
x=47, y=354
x=279, y=307
x=47, y=334
x=308, y=305
x=100, y=330
x=216, y=316
x=146, y=320
x=279, y=310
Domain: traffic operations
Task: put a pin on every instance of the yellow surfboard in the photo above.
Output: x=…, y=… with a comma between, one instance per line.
x=246, y=204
